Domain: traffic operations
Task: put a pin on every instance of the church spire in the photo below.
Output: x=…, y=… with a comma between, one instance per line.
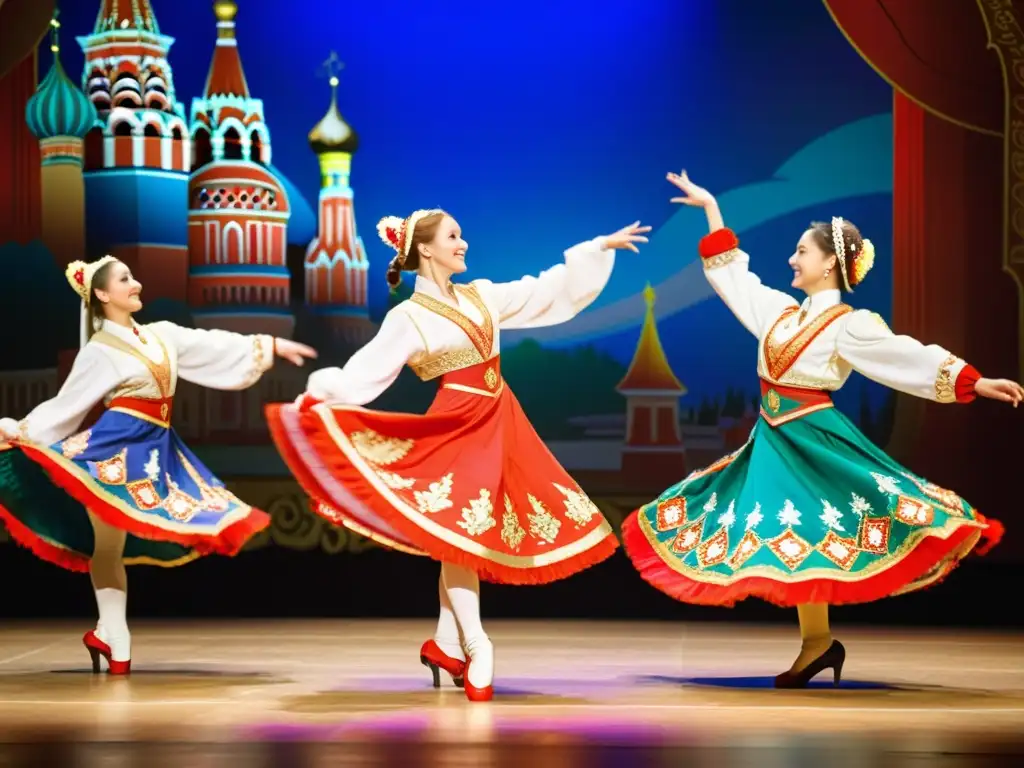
x=650, y=373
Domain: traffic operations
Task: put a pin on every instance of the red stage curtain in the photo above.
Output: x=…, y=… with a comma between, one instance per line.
x=948, y=284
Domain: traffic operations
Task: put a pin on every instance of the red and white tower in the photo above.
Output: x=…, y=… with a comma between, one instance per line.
x=238, y=208
x=336, y=266
x=136, y=163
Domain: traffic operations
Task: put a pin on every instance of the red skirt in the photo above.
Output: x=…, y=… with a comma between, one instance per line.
x=469, y=482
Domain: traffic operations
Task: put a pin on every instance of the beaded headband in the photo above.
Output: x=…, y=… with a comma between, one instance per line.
x=862, y=262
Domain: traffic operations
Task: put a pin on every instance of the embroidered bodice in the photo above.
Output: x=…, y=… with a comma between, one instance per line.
x=117, y=362
x=435, y=333
x=817, y=344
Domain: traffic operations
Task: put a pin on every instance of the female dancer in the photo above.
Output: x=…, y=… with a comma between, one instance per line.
x=127, y=490
x=809, y=512
x=469, y=483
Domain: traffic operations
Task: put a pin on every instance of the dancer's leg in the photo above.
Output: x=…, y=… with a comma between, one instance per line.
x=447, y=635
x=463, y=588
x=815, y=635
x=110, y=582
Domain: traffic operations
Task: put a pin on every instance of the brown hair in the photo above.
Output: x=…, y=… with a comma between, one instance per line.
x=423, y=232
x=821, y=233
x=100, y=281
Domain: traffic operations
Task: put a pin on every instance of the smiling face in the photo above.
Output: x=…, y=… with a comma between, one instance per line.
x=810, y=264
x=446, y=249
x=116, y=289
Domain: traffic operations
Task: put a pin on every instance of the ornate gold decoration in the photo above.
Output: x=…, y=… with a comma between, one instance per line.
x=180, y=505
x=671, y=514
x=578, y=506
x=779, y=356
x=689, y=537
x=396, y=482
x=1006, y=38
x=490, y=378
x=914, y=512
x=436, y=497
x=874, y=534
x=748, y=545
x=842, y=552
x=512, y=532
x=945, y=386
x=112, y=471
x=478, y=517
x=790, y=548
x=144, y=494
x=161, y=371
x=714, y=550
x=721, y=260
x=379, y=450
x=431, y=366
x=76, y=445
x=543, y=525
x=774, y=401
x=481, y=336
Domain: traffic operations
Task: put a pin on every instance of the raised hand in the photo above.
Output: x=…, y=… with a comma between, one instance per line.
x=693, y=195
x=1000, y=389
x=626, y=236
x=293, y=352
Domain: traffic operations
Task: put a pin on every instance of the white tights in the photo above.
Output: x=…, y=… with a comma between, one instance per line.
x=110, y=582
x=459, y=623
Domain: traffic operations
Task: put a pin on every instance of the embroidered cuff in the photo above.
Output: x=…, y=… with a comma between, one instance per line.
x=263, y=350
x=948, y=388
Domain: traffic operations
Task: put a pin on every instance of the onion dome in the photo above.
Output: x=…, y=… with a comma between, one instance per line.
x=59, y=107
x=332, y=133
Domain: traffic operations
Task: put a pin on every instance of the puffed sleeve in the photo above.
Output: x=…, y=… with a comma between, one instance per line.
x=218, y=359
x=727, y=269
x=903, y=363
x=557, y=294
x=374, y=367
x=92, y=377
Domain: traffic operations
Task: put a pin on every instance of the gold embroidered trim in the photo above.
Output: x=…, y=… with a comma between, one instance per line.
x=481, y=336
x=721, y=260
x=446, y=362
x=945, y=386
x=779, y=357
x=161, y=371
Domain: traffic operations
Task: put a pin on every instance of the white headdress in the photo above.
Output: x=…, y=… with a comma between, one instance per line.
x=397, y=232
x=79, y=275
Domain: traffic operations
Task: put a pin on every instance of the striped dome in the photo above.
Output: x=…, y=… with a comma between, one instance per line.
x=59, y=108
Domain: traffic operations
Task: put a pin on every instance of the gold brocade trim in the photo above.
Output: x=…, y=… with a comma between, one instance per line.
x=777, y=574
x=481, y=336
x=428, y=368
x=119, y=504
x=161, y=371
x=141, y=416
x=474, y=390
x=776, y=421
x=336, y=517
x=945, y=386
x=779, y=357
x=557, y=555
x=721, y=260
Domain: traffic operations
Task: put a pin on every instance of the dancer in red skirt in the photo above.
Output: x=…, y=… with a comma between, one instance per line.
x=469, y=483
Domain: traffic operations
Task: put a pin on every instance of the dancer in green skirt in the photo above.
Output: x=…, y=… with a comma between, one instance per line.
x=809, y=512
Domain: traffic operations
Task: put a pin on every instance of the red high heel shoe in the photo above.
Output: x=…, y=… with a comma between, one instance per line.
x=97, y=648
x=434, y=659
x=477, y=694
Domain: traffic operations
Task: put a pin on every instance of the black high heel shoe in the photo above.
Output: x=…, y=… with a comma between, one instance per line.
x=833, y=659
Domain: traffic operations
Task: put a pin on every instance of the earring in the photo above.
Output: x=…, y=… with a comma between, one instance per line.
x=828, y=271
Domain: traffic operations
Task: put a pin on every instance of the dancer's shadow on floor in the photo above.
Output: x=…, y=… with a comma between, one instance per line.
x=823, y=682
x=153, y=672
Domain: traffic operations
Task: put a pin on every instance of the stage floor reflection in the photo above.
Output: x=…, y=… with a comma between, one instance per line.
x=318, y=693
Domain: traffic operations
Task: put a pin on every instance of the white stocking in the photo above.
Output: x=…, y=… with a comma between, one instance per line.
x=110, y=582
x=447, y=634
x=463, y=588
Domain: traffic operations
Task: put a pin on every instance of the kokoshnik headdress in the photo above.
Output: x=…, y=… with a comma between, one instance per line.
x=862, y=260
x=397, y=232
x=80, y=275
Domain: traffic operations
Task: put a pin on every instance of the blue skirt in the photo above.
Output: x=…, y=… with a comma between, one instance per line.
x=131, y=473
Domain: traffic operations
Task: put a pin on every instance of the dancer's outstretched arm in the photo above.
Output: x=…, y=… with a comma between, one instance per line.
x=224, y=360
x=93, y=375
x=727, y=267
x=906, y=365
x=373, y=368
x=560, y=293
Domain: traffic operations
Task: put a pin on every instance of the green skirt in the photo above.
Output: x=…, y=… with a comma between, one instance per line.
x=807, y=511
x=44, y=518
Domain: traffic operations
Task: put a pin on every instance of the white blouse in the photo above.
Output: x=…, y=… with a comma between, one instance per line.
x=113, y=364
x=433, y=344
x=856, y=340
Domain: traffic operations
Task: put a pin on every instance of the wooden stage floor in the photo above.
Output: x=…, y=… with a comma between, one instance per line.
x=352, y=692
